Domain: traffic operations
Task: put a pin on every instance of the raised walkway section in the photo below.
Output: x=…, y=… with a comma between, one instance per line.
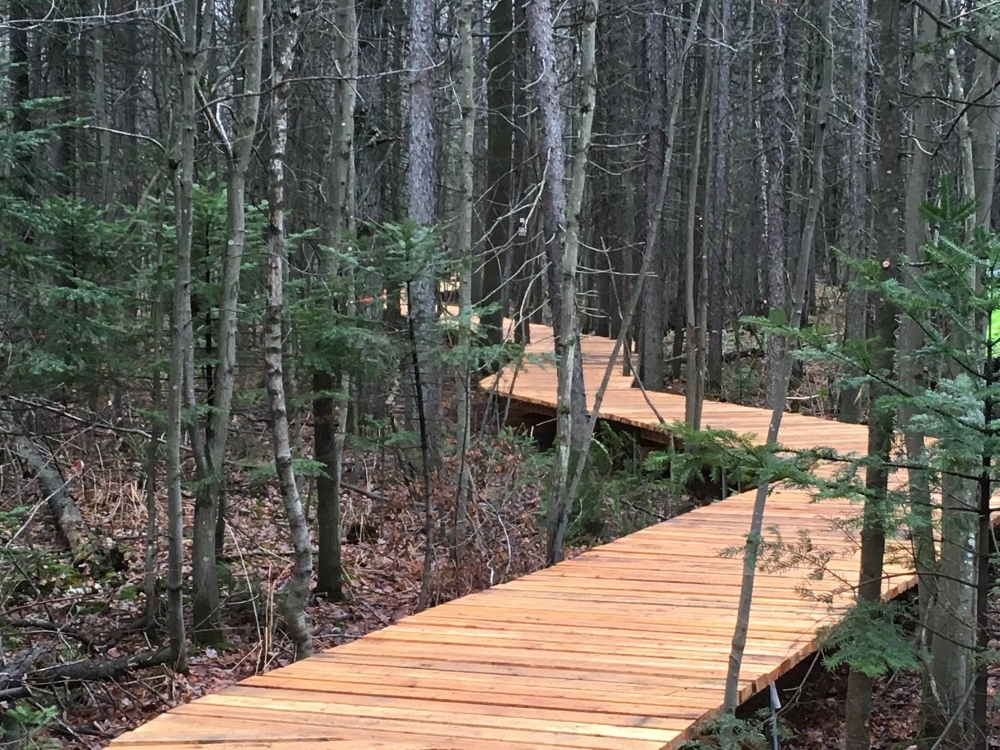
x=622, y=648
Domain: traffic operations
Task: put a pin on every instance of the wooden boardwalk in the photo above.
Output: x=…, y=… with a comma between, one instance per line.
x=624, y=647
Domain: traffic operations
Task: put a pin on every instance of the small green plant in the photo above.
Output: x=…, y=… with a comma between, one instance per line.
x=23, y=723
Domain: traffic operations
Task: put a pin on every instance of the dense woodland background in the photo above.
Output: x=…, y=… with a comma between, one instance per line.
x=243, y=243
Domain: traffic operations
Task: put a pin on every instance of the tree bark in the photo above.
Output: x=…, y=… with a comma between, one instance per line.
x=541, y=41
x=718, y=224
x=911, y=337
x=420, y=185
x=500, y=166
x=984, y=123
x=775, y=125
x=695, y=336
x=65, y=511
x=651, y=323
x=296, y=591
x=560, y=500
x=952, y=614
x=209, y=510
x=182, y=339
x=329, y=432
x=856, y=203
x=463, y=241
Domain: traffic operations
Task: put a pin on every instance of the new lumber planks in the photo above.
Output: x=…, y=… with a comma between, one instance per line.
x=624, y=647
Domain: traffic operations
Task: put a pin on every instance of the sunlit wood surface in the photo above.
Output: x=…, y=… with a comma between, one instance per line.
x=624, y=647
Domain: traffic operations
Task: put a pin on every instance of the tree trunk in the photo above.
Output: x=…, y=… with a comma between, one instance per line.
x=651, y=324
x=887, y=236
x=151, y=546
x=717, y=226
x=780, y=390
x=775, y=126
x=463, y=242
x=182, y=339
x=695, y=336
x=329, y=433
x=538, y=19
x=65, y=511
x=540, y=27
x=500, y=167
x=911, y=336
x=209, y=511
x=296, y=591
x=984, y=123
x=952, y=614
x=420, y=184
x=856, y=204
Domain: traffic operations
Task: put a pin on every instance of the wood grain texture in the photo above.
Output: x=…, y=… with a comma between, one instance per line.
x=624, y=647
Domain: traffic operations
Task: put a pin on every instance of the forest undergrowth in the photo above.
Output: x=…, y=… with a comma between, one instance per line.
x=73, y=611
x=56, y=611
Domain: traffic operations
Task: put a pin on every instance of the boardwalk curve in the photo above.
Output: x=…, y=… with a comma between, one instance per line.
x=624, y=647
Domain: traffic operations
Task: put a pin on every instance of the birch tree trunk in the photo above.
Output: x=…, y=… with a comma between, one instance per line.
x=561, y=211
x=541, y=42
x=209, y=510
x=296, y=591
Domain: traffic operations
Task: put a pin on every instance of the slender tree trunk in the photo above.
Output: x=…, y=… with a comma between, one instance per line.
x=181, y=334
x=329, y=432
x=887, y=237
x=775, y=125
x=19, y=70
x=985, y=123
x=541, y=41
x=695, y=336
x=911, y=337
x=560, y=501
x=420, y=184
x=780, y=391
x=500, y=167
x=463, y=241
x=209, y=511
x=856, y=204
x=985, y=549
x=152, y=454
x=648, y=257
x=952, y=615
x=718, y=224
x=104, y=194
x=296, y=590
x=651, y=324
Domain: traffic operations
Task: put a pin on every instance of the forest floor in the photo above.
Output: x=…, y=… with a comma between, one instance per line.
x=69, y=613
